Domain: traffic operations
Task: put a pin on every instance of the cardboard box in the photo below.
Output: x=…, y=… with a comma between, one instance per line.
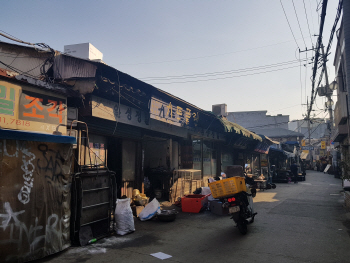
x=136, y=209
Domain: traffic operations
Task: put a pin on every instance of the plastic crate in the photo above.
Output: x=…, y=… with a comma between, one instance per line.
x=188, y=174
x=193, y=203
x=227, y=187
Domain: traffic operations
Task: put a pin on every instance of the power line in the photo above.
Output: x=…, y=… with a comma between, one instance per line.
x=289, y=25
x=222, y=72
x=308, y=26
x=251, y=74
x=284, y=108
x=201, y=57
x=295, y=11
x=317, y=53
x=313, y=93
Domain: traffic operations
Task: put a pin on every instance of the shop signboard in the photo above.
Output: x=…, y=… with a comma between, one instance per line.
x=110, y=110
x=323, y=145
x=23, y=107
x=173, y=114
x=307, y=148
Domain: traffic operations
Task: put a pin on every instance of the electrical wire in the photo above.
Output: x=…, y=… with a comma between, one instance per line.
x=222, y=72
x=284, y=108
x=301, y=83
x=289, y=25
x=210, y=79
x=308, y=26
x=312, y=17
x=201, y=57
x=20, y=71
x=299, y=23
x=314, y=92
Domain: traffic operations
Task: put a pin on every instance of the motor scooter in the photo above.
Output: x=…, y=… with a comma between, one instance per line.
x=240, y=208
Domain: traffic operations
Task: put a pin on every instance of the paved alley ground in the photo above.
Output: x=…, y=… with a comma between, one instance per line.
x=304, y=222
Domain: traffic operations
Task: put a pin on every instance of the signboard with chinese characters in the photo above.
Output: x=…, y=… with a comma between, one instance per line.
x=173, y=114
x=26, y=108
x=323, y=144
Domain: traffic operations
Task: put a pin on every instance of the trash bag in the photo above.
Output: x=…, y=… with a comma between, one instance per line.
x=124, y=218
x=150, y=210
x=206, y=191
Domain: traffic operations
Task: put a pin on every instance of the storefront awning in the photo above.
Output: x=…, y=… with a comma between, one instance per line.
x=305, y=156
x=289, y=154
x=231, y=127
x=35, y=137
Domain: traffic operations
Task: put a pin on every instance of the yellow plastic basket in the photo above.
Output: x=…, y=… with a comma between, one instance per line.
x=227, y=187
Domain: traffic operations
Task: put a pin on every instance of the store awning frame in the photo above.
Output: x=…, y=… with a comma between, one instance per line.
x=231, y=127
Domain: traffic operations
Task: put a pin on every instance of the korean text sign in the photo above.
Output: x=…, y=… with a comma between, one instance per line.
x=26, y=108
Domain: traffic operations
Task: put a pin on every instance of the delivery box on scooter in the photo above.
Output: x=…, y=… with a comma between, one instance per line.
x=227, y=187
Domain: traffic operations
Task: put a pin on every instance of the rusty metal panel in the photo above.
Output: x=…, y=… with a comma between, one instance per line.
x=93, y=201
x=24, y=60
x=66, y=67
x=35, y=199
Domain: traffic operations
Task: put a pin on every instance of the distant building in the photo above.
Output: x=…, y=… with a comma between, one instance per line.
x=257, y=120
x=274, y=127
x=318, y=128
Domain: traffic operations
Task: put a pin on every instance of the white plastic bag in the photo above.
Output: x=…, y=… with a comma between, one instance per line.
x=206, y=191
x=150, y=210
x=124, y=218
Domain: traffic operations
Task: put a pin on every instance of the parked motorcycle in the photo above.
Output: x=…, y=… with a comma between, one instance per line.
x=240, y=207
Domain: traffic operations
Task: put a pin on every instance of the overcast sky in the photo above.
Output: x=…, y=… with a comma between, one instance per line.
x=237, y=52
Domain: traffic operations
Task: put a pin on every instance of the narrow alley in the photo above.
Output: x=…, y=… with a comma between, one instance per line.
x=304, y=222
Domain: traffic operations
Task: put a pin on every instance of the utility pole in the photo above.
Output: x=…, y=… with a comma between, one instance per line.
x=309, y=130
x=328, y=93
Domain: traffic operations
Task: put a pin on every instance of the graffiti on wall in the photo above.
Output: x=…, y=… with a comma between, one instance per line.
x=28, y=169
x=32, y=236
x=35, y=203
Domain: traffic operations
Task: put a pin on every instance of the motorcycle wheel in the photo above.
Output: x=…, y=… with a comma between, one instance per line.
x=242, y=227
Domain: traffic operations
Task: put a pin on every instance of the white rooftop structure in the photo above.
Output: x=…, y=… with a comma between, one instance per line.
x=84, y=51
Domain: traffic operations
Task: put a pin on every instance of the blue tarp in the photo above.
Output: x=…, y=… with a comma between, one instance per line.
x=36, y=137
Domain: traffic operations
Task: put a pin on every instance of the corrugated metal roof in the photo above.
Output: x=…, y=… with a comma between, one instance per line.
x=66, y=67
x=234, y=127
x=278, y=133
x=23, y=59
x=57, y=88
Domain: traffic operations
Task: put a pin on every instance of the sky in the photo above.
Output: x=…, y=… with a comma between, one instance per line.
x=242, y=53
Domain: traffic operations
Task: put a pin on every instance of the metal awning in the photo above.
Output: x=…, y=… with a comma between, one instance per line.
x=231, y=127
x=305, y=156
